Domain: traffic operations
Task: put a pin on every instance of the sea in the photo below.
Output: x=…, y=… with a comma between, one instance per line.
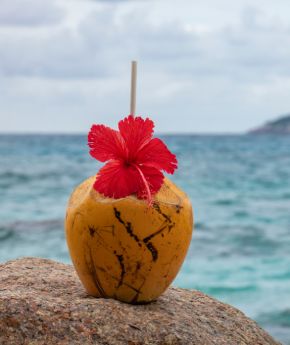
x=239, y=186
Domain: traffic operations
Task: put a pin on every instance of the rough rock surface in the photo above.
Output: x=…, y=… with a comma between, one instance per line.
x=43, y=302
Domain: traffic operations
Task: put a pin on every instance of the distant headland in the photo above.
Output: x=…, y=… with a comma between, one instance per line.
x=279, y=126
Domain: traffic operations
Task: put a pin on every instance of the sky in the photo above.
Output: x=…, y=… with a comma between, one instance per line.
x=204, y=66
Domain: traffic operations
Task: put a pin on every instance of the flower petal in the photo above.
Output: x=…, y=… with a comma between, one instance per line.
x=116, y=180
x=154, y=179
x=106, y=143
x=156, y=154
x=136, y=132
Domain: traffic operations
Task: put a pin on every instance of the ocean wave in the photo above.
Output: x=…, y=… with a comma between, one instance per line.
x=199, y=226
x=9, y=230
x=224, y=202
x=276, y=318
x=23, y=177
x=285, y=196
x=5, y=234
x=226, y=290
x=10, y=175
x=277, y=323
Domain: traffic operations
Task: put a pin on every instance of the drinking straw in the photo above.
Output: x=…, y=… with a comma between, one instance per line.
x=133, y=87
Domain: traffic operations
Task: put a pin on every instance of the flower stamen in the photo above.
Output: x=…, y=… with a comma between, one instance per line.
x=146, y=184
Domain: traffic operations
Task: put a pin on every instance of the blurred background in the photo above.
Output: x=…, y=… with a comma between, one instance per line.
x=209, y=72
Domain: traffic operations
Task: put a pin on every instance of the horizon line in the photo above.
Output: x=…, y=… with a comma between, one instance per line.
x=157, y=133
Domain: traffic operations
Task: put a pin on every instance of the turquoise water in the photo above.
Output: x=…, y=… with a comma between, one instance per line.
x=240, y=191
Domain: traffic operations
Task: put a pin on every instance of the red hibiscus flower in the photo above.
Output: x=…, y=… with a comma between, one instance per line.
x=134, y=159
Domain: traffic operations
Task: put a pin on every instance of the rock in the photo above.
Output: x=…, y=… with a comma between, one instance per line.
x=278, y=126
x=43, y=302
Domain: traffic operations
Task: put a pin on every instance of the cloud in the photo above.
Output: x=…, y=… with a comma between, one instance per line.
x=50, y=55
x=29, y=13
x=108, y=1
x=192, y=62
x=107, y=38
